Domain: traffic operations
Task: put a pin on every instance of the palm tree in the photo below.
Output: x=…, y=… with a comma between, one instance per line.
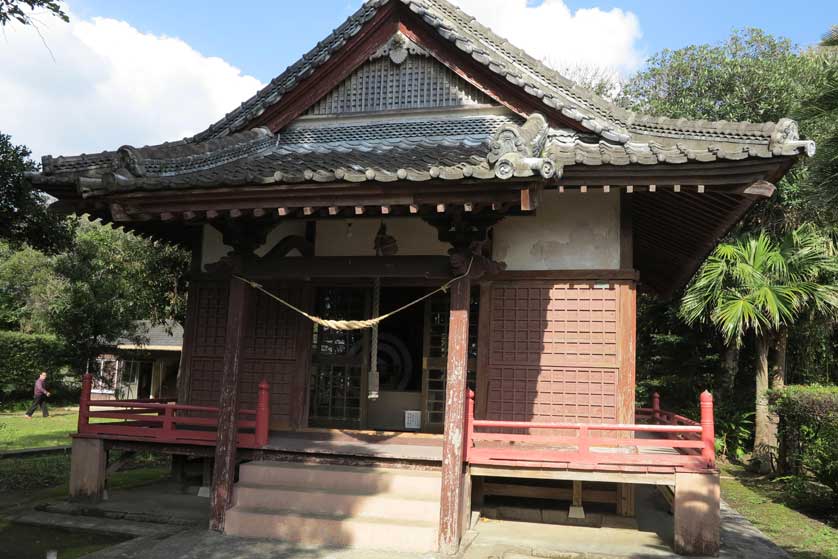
x=760, y=285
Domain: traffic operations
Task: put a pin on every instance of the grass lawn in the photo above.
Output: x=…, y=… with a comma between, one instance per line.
x=17, y=432
x=809, y=535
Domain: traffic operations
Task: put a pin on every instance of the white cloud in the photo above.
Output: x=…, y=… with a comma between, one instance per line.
x=108, y=85
x=585, y=39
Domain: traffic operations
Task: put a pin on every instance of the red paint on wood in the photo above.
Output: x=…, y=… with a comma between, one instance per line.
x=340, y=65
x=84, y=401
x=453, y=455
x=263, y=413
x=590, y=450
x=708, y=431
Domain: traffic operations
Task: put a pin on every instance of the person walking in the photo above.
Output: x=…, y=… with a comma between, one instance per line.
x=41, y=395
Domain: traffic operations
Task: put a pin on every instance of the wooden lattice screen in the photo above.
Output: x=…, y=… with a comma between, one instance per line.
x=272, y=349
x=553, y=352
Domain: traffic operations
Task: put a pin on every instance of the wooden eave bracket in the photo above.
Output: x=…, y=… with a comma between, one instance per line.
x=531, y=196
x=760, y=189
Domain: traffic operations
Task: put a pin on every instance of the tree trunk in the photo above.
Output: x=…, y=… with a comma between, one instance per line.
x=731, y=358
x=764, y=440
x=778, y=382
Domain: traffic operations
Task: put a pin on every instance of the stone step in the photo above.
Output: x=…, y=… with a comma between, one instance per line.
x=332, y=529
x=359, y=480
x=344, y=502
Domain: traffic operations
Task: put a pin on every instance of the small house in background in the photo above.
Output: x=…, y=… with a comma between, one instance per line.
x=147, y=369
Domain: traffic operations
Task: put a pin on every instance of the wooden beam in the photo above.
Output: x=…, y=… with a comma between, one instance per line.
x=531, y=197
x=451, y=526
x=348, y=267
x=224, y=472
x=760, y=189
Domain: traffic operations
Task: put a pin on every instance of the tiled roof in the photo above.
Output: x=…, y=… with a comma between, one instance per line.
x=447, y=147
x=169, y=335
x=602, y=117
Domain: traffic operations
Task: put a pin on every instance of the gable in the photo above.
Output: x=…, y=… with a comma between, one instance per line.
x=399, y=76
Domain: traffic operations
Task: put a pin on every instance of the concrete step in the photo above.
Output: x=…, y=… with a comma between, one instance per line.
x=360, y=480
x=332, y=529
x=346, y=501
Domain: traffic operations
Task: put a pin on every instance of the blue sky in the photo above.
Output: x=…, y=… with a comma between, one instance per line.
x=141, y=72
x=262, y=37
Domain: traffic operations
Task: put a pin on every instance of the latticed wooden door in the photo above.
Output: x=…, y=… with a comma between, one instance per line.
x=435, y=356
x=339, y=360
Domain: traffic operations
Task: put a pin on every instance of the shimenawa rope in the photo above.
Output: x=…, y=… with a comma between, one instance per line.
x=354, y=324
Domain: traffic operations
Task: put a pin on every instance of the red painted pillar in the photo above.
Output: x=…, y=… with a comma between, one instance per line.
x=708, y=429
x=656, y=406
x=450, y=517
x=263, y=413
x=469, y=423
x=84, y=402
x=224, y=466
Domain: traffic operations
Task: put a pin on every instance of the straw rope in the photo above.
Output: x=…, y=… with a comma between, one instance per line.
x=354, y=324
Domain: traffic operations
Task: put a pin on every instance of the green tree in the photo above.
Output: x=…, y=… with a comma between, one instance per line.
x=752, y=76
x=21, y=10
x=106, y=281
x=819, y=115
x=24, y=217
x=26, y=275
x=758, y=285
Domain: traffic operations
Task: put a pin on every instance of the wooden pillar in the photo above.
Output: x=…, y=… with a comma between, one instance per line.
x=224, y=469
x=576, y=509
x=451, y=518
x=88, y=469
x=627, y=329
x=697, y=513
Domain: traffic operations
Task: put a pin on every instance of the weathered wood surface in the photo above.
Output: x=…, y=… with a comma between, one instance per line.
x=451, y=520
x=224, y=470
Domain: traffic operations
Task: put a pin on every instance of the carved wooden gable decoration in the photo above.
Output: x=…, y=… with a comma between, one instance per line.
x=399, y=76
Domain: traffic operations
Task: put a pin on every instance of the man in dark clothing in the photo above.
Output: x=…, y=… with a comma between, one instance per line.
x=41, y=395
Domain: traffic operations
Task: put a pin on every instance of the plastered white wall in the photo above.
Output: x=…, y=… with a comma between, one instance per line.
x=213, y=248
x=570, y=231
x=357, y=237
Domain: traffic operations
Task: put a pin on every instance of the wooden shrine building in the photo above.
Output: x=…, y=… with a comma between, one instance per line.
x=409, y=147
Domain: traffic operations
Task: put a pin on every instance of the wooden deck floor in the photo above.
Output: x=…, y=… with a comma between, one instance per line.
x=364, y=444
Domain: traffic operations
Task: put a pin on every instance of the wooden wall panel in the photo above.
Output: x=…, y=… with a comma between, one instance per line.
x=554, y=352
x=274, y=339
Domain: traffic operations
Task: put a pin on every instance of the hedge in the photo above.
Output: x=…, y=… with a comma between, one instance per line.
x=22, y=357
x=809, y=432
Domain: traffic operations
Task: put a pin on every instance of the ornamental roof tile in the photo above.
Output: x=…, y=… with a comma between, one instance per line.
x=447, y=147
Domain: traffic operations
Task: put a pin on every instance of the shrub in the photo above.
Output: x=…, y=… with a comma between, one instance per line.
x=22, y=357
x=809, y=432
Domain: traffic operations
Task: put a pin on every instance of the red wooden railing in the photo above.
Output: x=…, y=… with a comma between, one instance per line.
x=668, y=442
x=169, y=422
